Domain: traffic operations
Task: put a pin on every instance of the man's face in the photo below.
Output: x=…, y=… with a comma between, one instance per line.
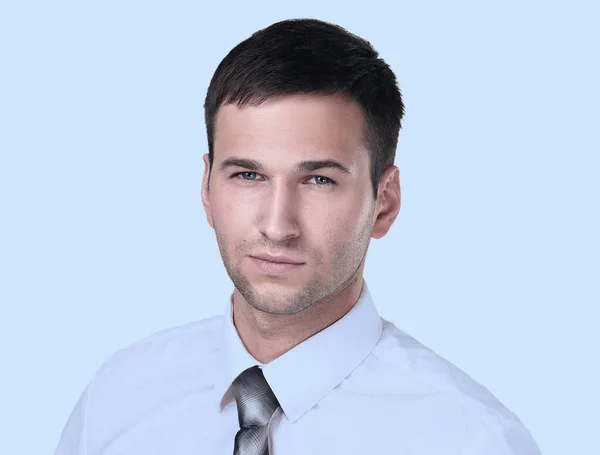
x=261, y=201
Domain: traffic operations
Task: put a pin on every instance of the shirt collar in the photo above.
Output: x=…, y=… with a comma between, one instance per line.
x=325, y=359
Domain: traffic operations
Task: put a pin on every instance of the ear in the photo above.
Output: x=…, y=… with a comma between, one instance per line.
x=205, y=191
x=388, y=202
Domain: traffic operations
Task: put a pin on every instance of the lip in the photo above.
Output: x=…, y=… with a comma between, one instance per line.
x=277, y=258
x=272, y=267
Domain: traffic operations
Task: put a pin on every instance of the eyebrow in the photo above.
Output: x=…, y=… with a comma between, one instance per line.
x=302, y=166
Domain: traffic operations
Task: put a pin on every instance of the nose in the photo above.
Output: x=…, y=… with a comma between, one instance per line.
x=279, y=213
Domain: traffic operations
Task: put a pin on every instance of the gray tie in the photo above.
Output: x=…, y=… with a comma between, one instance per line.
x=256, y=403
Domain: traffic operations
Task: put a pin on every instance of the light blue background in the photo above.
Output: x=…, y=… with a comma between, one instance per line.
x=493, y=261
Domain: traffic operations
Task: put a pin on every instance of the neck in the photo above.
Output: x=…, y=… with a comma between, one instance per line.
x=268, y=336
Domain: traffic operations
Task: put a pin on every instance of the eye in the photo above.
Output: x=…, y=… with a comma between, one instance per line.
x=321, y=180
x=249, y=176
x=246, y=175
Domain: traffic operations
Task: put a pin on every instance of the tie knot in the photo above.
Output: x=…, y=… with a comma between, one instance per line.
x=255, y=400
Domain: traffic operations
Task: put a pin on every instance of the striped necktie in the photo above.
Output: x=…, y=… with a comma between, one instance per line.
x=256, y=403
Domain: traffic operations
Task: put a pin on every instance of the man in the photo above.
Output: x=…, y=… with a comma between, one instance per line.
x=302, y=123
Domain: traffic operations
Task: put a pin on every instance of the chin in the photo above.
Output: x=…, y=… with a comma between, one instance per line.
x=272, y=299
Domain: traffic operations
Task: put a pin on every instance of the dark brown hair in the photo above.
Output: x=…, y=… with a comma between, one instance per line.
x=309, y=56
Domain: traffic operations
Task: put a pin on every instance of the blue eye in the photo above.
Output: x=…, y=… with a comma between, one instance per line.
x=321, y=180
x=251, y=176
x=245, y=174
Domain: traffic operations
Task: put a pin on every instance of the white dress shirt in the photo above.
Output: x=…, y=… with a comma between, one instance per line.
x=360, y=386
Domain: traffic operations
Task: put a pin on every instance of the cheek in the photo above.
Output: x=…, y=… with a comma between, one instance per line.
x=228, y=210
x=333, y=229
x=352, y=228
x=229, y=222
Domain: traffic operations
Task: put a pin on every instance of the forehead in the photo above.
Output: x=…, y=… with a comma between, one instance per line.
x=305, y=125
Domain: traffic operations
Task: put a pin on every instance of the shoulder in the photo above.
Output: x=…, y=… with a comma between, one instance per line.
x=169, y=348
x=434, y=402
x=146, y=375
x=157, y=367
x=407, y=366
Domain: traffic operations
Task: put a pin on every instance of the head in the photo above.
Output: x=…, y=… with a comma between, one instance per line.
x=302, y=123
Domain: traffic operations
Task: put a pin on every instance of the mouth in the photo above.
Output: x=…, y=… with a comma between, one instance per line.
x=274, y=267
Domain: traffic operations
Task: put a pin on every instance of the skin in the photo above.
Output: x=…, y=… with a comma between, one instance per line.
x=281, y=209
